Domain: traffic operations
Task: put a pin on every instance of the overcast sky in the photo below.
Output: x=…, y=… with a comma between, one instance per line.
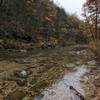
x=71, y=6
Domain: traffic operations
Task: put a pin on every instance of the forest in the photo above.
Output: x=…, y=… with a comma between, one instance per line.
x=24, y=25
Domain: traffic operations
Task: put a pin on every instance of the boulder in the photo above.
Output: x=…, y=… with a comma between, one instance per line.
x=22, y=74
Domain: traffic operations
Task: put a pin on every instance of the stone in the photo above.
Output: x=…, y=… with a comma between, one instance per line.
x=22, y=74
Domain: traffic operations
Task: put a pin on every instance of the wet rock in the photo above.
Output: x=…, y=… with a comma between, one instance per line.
x=16, y=95
x=22, y=74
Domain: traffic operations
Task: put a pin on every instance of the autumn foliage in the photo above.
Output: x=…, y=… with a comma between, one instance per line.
x=92, y=15
x=36, y=21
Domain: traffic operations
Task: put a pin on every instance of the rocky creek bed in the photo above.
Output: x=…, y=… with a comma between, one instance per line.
x=48, y=75
x=63, y=91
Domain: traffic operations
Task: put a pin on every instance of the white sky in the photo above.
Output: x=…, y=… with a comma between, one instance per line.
x=71, y=6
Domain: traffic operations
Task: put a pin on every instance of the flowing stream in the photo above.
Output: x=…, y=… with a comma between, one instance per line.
x=62, y=91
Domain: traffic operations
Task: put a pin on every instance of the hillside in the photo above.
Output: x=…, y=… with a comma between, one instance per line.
x=33, y=23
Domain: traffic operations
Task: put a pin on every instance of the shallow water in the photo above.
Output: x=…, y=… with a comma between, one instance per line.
x=61, y=90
